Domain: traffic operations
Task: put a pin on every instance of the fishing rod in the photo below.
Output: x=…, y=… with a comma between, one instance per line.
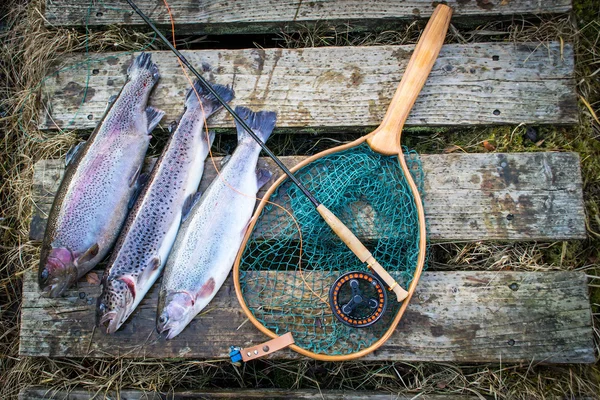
x=343, y=232
x=235, y=116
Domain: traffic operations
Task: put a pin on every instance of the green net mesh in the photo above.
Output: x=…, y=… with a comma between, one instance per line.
x=287, y=289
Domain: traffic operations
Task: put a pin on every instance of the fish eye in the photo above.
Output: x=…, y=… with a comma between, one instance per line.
x=45, y=273
x=102, y=307
x=163, y=319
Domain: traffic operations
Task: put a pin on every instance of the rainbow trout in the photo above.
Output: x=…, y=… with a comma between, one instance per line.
x=100, y=180
x=207, y=242
x=150, y=229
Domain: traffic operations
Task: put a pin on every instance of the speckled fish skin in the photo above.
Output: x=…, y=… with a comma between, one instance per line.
x=207, y=242
x=92, y=201
x=150, y=229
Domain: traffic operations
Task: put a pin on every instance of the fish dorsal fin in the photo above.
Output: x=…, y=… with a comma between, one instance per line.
x=112, y=99
x=172, y=126
x=88, y=254
x=135, y=176
x=189, y=203
x=262, y=177
x=73, y=153
x=154, y=116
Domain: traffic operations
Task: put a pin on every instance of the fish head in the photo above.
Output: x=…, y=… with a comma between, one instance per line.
x=175, y=313
x=115, y=304
x=58, y=271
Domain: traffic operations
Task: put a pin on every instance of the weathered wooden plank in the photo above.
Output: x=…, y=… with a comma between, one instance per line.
x=334, y=88
x=518, y=196
x=259, y=16
x=43, y=393
x=454, y=316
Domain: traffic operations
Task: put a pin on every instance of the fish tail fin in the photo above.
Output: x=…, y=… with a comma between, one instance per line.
x=143, y=64
x=199, y=94
x=261, y=122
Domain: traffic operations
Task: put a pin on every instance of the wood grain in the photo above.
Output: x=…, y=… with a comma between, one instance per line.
x=336, y=88
x=471, y=197
x=453, y=316
x=44, y=393
x=260, y=16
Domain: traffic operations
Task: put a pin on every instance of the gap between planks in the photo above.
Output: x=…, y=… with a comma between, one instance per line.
x=337, y=88
x=470, y=197
x=263, y=16
x=44, y=392
x=460, y=316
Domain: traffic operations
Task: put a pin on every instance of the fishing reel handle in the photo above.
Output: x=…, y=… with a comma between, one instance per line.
x=360, y=250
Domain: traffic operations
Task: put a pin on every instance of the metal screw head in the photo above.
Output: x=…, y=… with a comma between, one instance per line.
x=249, y=354
x=255, y=351
x=265, y=348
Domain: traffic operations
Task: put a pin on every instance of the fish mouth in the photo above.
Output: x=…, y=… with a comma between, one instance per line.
x=58, y=273
x=56, y=285
x=112, y=321
x=55, y=289
x=169, y=331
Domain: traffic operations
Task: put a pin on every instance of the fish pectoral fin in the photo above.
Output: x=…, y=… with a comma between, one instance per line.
x=262, y=177
x=154, y=116
x=207, y=289
x=152, y=266
x=189, y=203
x=73, y=153
x=88, y=254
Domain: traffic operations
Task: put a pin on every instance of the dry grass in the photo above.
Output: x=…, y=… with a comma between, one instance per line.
x=27, y=53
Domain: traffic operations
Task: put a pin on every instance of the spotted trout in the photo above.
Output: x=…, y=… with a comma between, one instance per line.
x=100, y=180
x=208, y=240
x=150, y=229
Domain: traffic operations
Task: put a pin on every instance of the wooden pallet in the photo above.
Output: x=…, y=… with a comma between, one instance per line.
x=523, y=317
x=260, y=16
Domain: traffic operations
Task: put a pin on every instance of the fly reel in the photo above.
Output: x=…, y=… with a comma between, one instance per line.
x=358, y=299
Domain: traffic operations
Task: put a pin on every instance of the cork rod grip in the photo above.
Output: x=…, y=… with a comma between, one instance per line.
x=360, y=250
x=386, y=138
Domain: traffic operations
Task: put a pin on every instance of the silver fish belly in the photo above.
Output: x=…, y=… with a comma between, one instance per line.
x=207, y=242
x=101, y=177
x=150, y=229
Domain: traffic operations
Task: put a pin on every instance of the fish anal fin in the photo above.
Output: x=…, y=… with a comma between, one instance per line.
x=207, y=289
x=225, y=160
x=189, y=203
x=262, y=177
x=88, y=254
x=139, y=185
x=154, y=116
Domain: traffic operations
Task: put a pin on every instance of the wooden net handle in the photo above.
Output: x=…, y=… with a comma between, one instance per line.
x=386, y=138
x=360, y=250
